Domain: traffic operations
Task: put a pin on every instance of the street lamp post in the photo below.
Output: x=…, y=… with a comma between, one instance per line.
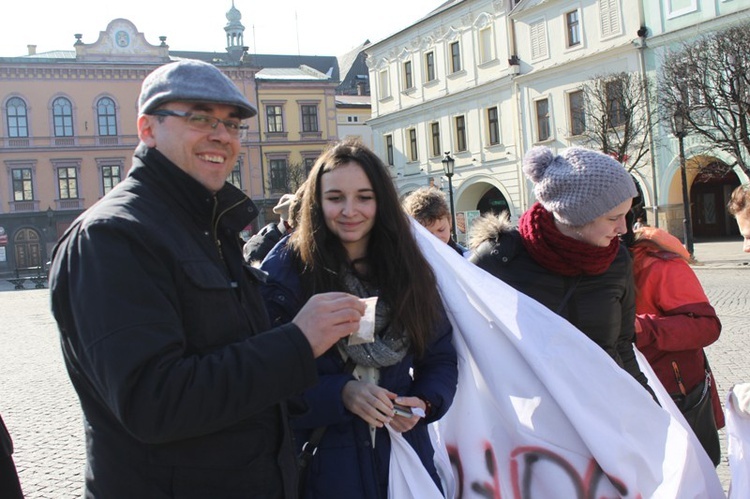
x=448, y=165
x=50, y=233
x=679, y=122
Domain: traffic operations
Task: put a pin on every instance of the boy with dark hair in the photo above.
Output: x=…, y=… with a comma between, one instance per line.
x=427, y=205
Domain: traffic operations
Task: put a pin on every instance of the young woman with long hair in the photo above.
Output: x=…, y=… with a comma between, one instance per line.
x=353, y=236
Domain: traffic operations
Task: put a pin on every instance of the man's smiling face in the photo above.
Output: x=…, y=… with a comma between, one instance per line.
x=207, y=156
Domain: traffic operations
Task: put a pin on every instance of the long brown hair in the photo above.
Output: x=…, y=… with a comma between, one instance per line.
x=397, y=267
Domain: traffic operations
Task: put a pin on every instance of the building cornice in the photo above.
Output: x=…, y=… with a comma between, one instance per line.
x=99, y=72
x=493, y=87
x=28, y=72
x=693, y=31
x=606, y=55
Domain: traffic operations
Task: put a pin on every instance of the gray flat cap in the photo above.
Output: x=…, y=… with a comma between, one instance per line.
x=191, y=81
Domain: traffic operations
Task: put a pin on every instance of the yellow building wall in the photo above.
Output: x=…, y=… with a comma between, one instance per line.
x=293, y=144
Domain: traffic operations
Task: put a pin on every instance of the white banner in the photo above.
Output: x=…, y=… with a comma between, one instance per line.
x=543, y=412
x=738, y=439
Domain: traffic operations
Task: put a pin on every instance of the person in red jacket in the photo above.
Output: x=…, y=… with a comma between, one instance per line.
x=674, y=320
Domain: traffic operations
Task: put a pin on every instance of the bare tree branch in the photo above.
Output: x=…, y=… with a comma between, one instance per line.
x=296, y=177
x=711, y=78
x=616, y=117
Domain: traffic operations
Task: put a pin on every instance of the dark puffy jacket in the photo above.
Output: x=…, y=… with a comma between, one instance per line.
x=346, y=465
x=159, y=322
x=601, y=306
x=10, y=487
x=6, y=444
x=258, y=246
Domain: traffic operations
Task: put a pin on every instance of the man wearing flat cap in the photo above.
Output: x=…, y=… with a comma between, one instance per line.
x=160, y=320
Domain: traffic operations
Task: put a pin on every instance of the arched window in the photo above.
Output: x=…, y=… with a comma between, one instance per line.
x=18, y=124
x=62, y=116
x=106, y=116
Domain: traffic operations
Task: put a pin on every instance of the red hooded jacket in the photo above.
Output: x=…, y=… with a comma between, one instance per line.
x=674, y=319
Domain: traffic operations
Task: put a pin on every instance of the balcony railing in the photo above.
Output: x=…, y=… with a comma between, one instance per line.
x=17, y=206
x=69, y=204
x=19, y=142
x=108, y=141
x=124, y=141
x=65, y=141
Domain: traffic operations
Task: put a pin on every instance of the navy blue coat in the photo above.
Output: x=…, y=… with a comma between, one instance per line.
x=346, y=465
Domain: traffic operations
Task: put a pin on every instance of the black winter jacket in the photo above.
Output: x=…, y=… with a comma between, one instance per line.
x=160, y=325
x=6, y=444
x=258, y=246
x=602, y=306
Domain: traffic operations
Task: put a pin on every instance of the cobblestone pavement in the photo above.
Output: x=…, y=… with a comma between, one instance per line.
x=37, y=401
x=42, y=412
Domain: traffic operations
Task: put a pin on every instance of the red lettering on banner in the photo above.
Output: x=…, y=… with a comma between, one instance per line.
x=524, y=468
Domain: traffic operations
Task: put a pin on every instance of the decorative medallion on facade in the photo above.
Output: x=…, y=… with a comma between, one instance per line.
x=122, y=38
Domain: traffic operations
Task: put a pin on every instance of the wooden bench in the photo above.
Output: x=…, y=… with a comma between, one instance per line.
x=37, y=275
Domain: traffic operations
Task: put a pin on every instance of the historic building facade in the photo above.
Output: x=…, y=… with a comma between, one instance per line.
x=67, y=128
x=444, y=86
x=297, y=112
x=485, y=80
x=670, y=24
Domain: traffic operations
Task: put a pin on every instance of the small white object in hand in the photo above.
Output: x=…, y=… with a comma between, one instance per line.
x=366, y=331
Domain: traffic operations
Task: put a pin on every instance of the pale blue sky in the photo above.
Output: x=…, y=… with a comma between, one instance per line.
x=322, y=27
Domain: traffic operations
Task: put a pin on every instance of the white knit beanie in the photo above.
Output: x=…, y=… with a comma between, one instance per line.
x=579, y=184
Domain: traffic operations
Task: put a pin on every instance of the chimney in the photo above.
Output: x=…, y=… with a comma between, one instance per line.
x=360, y=88
x=32, y=49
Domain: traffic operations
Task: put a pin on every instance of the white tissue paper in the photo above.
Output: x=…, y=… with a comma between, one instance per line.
x=366, y=331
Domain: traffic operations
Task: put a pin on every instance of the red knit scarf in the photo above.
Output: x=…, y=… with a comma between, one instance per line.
x=559, y=253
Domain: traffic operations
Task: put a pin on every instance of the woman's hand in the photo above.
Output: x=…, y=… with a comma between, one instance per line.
x=403, y=423
x=370, y=402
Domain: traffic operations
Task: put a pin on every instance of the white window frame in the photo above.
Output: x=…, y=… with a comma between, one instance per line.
x=579, y=28
x=461, y=136
x=435, y=139
x=384, y=84
x=485, y=45
x=489, y=125
x=571, y=118
x=389, y=152
x=454, y=58
x=434, y=67
x=408, y=85
x=412, y=142
x=537, y=128
x=673, y=13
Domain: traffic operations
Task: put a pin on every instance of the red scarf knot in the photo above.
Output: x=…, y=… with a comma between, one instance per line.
x=559, y=253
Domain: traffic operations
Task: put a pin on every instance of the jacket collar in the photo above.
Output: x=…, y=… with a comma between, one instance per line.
x=234, y=208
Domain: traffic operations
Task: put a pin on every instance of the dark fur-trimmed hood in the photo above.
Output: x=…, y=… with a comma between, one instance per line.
x=489, y=228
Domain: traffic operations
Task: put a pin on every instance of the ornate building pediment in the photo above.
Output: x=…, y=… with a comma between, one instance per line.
x=121, y=41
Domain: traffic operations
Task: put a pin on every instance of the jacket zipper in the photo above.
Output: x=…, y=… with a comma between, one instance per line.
x=215, y=228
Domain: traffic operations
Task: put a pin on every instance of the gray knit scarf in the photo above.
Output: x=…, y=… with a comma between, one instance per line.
x=390, y=346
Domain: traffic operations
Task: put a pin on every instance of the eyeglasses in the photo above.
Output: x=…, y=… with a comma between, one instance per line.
x=203, y=122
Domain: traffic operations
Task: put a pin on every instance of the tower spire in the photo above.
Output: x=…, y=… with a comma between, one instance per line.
x=235, y=33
